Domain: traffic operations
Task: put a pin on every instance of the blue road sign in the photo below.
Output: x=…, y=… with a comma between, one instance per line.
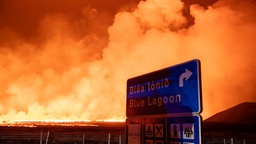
x=173, y=90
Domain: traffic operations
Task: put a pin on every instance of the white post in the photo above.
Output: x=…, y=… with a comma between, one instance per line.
x=109, y=138
x=244, y=141
x=41, y=137
x=224, y=141
x=83, y=138
x=120, y=139
x=231, y=141
x=47, y=137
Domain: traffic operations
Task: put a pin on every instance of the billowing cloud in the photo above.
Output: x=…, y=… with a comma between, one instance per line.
x=77, y=64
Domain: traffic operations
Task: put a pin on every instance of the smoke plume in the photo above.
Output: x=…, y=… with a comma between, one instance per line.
x=63, y=60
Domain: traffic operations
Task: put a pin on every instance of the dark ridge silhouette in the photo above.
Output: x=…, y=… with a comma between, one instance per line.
x=243, y=113
x=238, y=120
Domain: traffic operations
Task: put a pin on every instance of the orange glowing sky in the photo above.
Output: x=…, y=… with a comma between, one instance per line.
x=69, y=60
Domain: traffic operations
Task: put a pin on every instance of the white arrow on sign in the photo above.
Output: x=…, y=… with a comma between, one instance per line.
x=186, y=75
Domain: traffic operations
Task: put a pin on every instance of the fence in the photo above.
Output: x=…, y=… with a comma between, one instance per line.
x=63, y=137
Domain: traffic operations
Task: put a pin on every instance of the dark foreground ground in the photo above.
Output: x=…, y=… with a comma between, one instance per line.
x=86, y=133
x=102, y=132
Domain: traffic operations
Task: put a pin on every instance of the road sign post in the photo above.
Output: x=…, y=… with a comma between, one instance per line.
x=164, y=130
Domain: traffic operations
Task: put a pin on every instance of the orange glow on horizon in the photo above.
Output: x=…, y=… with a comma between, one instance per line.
x=64, y=61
